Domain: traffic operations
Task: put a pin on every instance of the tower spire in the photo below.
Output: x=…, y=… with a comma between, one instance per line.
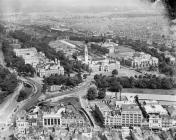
x=86, y=56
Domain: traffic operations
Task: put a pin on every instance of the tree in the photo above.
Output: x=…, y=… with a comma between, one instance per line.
x=92, y=93
x=84, y=76
x=74, y=55
x=23, y=95
x=116, y=87
x=153, y=83
x=97, y=77
x=167, y=83
x=114, y=72
x=102, y=93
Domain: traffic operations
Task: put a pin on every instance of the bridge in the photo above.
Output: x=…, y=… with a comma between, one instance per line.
x=87, y=116
x=86, y=112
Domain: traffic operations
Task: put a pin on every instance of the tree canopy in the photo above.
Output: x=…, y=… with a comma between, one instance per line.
x=8, y=82
x=92, y=93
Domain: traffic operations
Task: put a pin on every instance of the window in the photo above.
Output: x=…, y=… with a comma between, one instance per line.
x=58, y=121
x=155, y=121
x=48, y=121
x=45, y=122
x=51, y=121
x=55, y=121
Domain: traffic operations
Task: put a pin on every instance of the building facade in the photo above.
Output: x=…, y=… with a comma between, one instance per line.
x=63, y=118
x=158, y=116
x=29, y=55
x=131, y=115
x=125, y=115
x=48, y=69
x=140, y=60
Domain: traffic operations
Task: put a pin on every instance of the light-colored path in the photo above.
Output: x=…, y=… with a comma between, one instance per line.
x=1, y=56
x=165, y=99
x=8, y=106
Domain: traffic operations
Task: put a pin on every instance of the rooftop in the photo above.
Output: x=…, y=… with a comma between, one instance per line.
x=130, y=107
x=103, y=106
x=155, y=108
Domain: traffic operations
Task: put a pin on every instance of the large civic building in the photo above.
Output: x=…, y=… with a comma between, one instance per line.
x=100, y=64
x=44, y=67
x=64, y=117
x=140, y=60
x=29, y=55
x=47, y=69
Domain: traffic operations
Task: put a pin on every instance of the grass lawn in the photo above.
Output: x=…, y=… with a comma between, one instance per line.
x=149, y=91
x=24, y=94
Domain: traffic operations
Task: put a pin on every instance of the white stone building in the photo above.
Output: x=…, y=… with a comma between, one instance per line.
x=30, y=55
x=140, y=60
x=47, y=69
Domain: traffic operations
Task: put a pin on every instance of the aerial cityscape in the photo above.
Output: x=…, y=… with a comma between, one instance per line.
x=92, y=70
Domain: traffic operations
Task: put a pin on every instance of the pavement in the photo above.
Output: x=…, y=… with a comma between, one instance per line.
x=79, y=90
x=8, y=106
x=1, y=56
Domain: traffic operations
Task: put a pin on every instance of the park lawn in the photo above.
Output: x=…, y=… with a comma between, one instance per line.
x=150, y=91
x=28, y=91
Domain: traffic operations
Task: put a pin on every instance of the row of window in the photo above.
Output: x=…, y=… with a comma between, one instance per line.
x=51, y=121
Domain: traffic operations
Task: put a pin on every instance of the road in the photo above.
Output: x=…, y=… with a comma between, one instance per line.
x=7, y=107
x=10, y=106
x=33, y=99
x=1, y=56
x=80, y=90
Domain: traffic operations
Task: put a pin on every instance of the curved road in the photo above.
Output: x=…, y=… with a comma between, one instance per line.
x=33, y=99
x=10, y=107
x=80, y=90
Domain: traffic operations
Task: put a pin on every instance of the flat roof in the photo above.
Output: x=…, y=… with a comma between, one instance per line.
x=130, y=107
x=103, y=106
x=155, y=108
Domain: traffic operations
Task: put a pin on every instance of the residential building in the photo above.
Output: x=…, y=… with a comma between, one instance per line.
x=22, y=124
x=158, y=116
x=155, y=121
x=113, y=120
x=166, y=121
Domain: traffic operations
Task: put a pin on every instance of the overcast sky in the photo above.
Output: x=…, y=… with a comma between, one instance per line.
x=22, y=4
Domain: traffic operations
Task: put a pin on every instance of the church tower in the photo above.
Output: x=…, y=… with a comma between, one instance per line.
x=86, y=56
